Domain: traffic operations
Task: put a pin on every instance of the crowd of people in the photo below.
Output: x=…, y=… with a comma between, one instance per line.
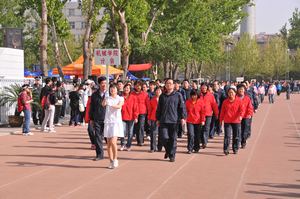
x=160, y=111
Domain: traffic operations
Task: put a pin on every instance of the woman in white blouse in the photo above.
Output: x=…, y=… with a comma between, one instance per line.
x=113, y=125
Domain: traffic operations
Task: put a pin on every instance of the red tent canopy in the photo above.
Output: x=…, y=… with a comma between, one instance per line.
x=139, y=67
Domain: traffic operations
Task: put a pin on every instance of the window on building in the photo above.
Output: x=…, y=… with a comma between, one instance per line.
x=83, y=25
x=72, y=24
x=71, y=12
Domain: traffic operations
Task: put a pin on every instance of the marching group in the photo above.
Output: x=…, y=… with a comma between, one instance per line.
x=158, y=110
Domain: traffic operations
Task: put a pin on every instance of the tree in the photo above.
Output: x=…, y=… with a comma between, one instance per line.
x=274, y=59
x=245, y=57
x=294, y=32
x=44, y=38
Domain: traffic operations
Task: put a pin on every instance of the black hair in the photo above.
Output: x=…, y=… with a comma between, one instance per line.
x=241, y=86
x=204, y=84
x=113, y=85
x=193, y=92
x=152, y=83
x=101, y=79
x=120, y=81
x=158, y=87
x=177, y=81
x=185, y=80
x=58, y=84
x=167, y=79
x=231, y=88
x=47, y=80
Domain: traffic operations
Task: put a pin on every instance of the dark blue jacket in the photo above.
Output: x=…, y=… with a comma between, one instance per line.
x=171, y=108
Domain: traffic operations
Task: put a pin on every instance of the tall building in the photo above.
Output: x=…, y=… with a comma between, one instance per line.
x=248, y=24
x=77, y=20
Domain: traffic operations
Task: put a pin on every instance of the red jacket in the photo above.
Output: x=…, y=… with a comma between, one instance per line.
x=195, y=112
x=248, y=107
x=152, y=106
x=87, y=110
x=210, y=104
x=232, y=112
x=142, y=101
x=130, y=108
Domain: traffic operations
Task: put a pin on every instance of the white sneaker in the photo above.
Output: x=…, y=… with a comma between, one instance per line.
x=115, y=163
x=148, y=138
x=52, y=131
x=122, y=148
x=27, y=134
x=111, y=165
x=58, y=124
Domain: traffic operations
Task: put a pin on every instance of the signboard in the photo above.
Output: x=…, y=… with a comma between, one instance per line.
x=107, y=57
x=240, y=79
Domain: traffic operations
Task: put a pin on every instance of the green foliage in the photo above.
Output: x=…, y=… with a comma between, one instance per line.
x=294, y=32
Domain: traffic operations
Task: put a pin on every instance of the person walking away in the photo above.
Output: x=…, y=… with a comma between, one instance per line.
x=63, y=108
x=113, y=125
x=261, y=93
x=142, y=101
x=49, y=112
x=74, y=105
x=36, y=109
x=152, y=107
x=24, y=101
x=170, y=109
x=248, y=114
x=130, y=113
x=288, y=90
x=58, y=104
x=97, y=116
x=186, y=89
x=232, y=112
x=211, y=108
x=195, y=119
x=271, y=93
x=279, y=88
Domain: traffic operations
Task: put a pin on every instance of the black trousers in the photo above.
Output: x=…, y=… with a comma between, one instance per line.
x=139, y=128
x=63, y=108
x=245, y=129
x=194, y=131
x=232, y=130
x=99, y=134
x=205, y=130
x=57, y=113
x=169, y=138
x=37, y=116
x=91, y=133
x=153, y=135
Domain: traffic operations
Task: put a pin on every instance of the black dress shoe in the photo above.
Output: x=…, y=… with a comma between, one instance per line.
x=172, y=159
x=204, y=146
x=243, y=145
x=189, y=152
x=235, y=152
x=226, y=152
x=166, y=156
x=98, y=158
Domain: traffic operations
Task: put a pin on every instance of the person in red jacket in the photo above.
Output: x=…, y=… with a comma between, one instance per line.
x=142, y=101
x=248, y=113
x=152, y=106
x=195, y=119
x=211, y=108
x=232, y=112
x=129, y=116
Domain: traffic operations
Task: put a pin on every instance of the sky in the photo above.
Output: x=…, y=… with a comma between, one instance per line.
x=271, y=15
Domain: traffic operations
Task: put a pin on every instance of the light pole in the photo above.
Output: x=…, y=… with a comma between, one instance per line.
x=287, y=74
x=228, y=47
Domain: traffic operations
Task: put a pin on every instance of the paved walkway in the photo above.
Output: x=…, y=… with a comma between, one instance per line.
x=60, y=165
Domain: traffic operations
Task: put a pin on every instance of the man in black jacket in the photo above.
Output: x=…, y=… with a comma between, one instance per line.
x=97, y=116
x=170, y=109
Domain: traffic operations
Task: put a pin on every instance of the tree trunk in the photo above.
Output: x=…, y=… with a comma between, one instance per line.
x=115, y=31
x=56, y=51
x=166, y=70
x=67, y=51
x=125, y=47
x=187, y=71
x=175, y=71
x=44, y=39
x=86, y=43
x=145, y=34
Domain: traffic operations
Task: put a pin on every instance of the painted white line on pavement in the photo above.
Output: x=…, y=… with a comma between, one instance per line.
x=251, y=154
x=96, y=178
x=294, y=120
x=170, y=177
